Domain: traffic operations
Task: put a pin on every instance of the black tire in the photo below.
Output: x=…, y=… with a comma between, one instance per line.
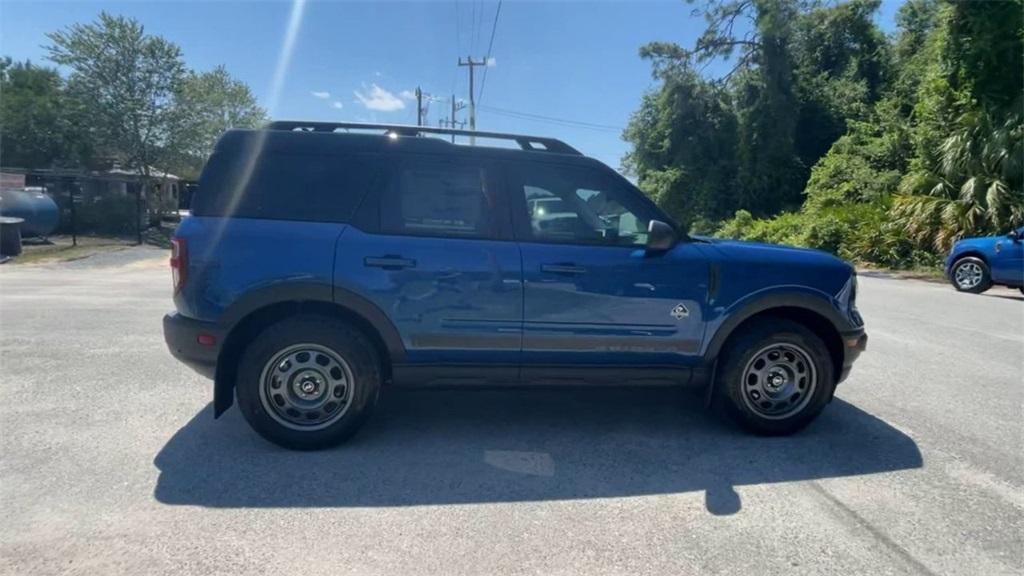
x=983, y=284
x=734, y=394
x=344, y=346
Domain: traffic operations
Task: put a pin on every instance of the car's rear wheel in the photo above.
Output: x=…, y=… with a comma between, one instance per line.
x=775, y=377
x=970, y=274
x=308, y=382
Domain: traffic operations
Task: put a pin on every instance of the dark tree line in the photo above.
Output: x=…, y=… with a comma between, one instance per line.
x=825, y=132
x=128, y=96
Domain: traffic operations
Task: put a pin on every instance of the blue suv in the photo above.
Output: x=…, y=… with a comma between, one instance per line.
x=323, y=261
x=975, y=264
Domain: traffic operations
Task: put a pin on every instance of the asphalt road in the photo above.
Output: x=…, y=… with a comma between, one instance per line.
x=112, y=463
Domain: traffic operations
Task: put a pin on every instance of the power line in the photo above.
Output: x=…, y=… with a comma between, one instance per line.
x=490, y=46
x=473, y=28
x=479, y=19
x=551, y=119
x=458, y=41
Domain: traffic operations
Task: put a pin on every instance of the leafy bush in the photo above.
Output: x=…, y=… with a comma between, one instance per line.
x=106, y=214
x=861, y=233
x=736, y=227
x=703, y=227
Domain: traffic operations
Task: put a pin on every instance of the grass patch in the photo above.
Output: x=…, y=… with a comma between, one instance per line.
x=60, y=249
x=926, y=273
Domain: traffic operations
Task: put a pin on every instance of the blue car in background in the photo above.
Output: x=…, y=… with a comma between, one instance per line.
x=975, y=264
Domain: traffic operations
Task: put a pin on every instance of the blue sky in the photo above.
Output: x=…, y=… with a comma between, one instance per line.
x=360, y=61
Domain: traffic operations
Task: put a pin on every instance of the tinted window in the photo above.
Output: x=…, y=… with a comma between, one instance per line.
x=283, y=186
x=440, y=198
x=580, y=205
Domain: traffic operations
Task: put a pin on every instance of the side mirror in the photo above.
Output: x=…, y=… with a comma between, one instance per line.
x=1013, y=235
x=660, y=236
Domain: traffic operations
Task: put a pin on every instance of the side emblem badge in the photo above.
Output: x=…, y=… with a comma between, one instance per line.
x=680, y=312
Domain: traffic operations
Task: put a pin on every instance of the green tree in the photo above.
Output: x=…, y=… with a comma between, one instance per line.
x=126, y=80
x=684, y=142
x=964, y=177
x=206, y=105
x=977, y=189
x=35, y=118
x=842, y=66
x=901, y=145
x=770, y=175
x=799, y=73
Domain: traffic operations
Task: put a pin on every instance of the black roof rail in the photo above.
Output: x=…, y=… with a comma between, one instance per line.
x=535, y=143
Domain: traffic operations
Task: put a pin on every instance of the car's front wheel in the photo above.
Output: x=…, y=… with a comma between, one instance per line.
x=970, y=274
x=774, y=377
x=308, y=382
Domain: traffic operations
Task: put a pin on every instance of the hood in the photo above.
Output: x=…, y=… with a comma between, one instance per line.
x=756, y=265
x=764, y=250
x=978, y=240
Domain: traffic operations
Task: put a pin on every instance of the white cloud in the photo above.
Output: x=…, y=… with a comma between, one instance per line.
x=407, y=94
x=379, y=99
x=337, y=105
x=322, y=95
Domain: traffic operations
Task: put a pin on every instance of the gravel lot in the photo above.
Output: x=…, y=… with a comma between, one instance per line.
x=112, y=463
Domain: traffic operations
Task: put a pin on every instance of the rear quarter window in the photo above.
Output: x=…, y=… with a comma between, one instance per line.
x=283, y=186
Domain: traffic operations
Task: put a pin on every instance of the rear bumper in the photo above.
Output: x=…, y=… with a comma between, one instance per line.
x=854, y=343
x=182, y=335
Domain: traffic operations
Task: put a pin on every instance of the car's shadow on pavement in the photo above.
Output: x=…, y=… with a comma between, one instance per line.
x=445, y=447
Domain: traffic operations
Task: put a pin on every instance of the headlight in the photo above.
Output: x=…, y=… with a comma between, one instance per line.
x=847, y=299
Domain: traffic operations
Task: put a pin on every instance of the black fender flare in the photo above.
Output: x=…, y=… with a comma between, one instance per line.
x=297, y=292
x=804, y=298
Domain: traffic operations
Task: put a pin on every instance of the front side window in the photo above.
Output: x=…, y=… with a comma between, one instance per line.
x=440, y=198
x=580, y=205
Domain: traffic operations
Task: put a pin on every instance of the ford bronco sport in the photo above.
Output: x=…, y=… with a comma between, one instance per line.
x=323, y=261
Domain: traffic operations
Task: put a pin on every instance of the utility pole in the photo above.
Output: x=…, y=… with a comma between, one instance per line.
x=419, y=106
x=472, y=99
x=456, y=106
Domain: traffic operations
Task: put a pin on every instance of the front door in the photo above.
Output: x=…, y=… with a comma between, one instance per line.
x=1008, y=263
x=592, y=294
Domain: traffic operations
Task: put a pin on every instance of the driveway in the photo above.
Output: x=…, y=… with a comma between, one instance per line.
x=112, y=463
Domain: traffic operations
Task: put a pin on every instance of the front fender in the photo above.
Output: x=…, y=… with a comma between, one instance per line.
x=725, y=320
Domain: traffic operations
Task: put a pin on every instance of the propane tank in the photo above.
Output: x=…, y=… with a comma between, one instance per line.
x=39, y=212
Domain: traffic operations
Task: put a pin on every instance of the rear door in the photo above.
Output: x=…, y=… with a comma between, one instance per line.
x=593, y=295
x=433, y=250
x=266, y=217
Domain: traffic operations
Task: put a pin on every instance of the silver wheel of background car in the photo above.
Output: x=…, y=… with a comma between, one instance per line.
x=306, y=387
x=968, y=275
x=779, y=381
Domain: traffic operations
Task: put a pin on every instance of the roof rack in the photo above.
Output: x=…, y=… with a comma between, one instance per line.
x=534, y=143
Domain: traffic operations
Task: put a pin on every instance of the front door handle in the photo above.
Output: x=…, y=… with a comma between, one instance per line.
x=563, y=268
x=389, y=262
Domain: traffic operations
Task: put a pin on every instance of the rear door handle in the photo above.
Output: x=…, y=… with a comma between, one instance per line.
x=389, y=262
x=564, y=268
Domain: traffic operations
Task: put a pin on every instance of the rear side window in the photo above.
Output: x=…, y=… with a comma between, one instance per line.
x=282, y=186
x=440, y=198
